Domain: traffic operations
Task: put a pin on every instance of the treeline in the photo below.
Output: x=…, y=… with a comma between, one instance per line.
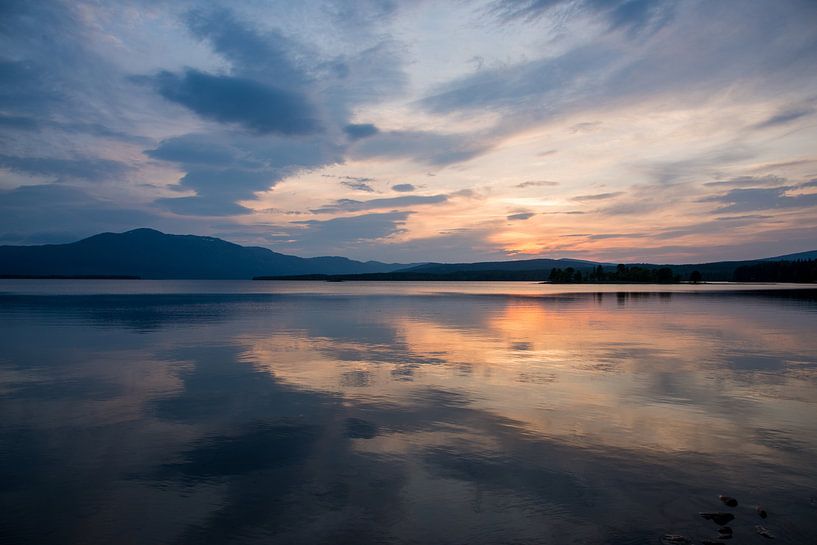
x=622, y=273
x=778, y=271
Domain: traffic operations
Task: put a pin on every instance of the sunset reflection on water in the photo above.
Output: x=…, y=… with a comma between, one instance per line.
x=477, y=418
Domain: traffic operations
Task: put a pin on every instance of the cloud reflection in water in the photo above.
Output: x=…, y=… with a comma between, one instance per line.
x=468, y=418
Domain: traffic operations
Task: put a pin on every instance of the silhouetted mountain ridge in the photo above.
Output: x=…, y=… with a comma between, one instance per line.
x=148, y=253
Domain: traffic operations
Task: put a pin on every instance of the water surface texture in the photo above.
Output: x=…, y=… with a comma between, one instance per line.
x=396, y=413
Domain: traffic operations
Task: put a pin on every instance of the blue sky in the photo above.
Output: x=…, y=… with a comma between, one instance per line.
x=409, y=131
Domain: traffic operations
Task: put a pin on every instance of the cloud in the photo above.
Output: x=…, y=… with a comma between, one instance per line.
x=585, y=127
x=785, y=117
x=687, y=60
x=450, y=245
x=427, y=147
x=520, y=87
x=521, y=216
x=225, y=167
x=630, y=15
x=648, y=198
x=536, y=183
x=283, y=107
x=248, y=103
x=218, y=189
x=18, y=122
x=743, y=218
x=230, y=183
x=403, y=188
x=336, y=82
x=236, y=149
x=359, y=185
x=254, y=54
x=362, y=130
x=718, y=224
x=754, y=181
x=761, y=198
x=53, y=79
x=85, y=168
x=353, y=15
x=200, y=150
x=33, y=87
x=347, y=233
x=349, y=205
x=598, y=196
x=604, y=236
x=201, y=206
x=58, y=213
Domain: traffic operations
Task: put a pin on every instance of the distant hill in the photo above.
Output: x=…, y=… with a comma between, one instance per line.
x=521, y=265
x=793, y=257
x=540, y=268
x=148, y=253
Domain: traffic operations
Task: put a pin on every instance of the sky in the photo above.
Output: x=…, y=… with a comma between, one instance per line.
x=617, y=130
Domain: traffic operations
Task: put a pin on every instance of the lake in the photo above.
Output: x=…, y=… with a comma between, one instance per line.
x=142, y=412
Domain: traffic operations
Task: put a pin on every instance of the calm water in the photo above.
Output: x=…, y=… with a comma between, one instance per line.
x=241, y=412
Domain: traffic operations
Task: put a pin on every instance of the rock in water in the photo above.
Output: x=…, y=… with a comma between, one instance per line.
x=721, y=519
x=762, y=512
x=764, y=532
x=728, y=500
x=675, y=539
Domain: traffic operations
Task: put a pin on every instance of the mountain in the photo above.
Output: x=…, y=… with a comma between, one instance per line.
x=793, y=257
x=148, y=253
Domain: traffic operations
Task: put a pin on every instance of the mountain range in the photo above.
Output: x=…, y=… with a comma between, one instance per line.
x=147, y=253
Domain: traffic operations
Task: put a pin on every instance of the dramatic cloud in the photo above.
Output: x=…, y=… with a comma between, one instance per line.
x=685, y=121
x=223, y=168
x=258, y=107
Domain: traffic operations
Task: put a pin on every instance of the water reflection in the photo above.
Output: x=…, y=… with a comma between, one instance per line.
x=459, y=418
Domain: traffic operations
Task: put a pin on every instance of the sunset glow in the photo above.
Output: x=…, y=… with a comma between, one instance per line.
x=417, y=131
